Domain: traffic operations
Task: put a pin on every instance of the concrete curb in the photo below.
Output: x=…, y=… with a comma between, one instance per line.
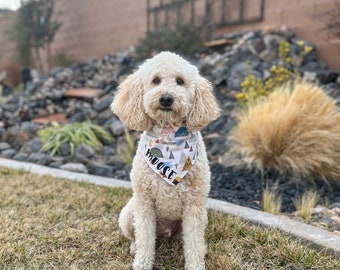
x=320, y=238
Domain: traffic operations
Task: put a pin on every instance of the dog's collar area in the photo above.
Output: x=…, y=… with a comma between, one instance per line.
x=170, y=150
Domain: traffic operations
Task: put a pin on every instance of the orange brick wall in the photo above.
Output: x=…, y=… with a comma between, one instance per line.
x=93, y=28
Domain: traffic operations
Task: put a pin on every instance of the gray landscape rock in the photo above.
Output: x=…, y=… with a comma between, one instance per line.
x=117, y=128
x=20, y=156
x=74, y=167
x=65, y=149
x=84, y=151
x=8, y=153
x=39, y=158
x=4, y=146
x=32, y=146
x=102, y=170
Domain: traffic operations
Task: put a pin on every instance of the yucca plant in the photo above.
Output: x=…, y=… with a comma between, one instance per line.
x=73, y=134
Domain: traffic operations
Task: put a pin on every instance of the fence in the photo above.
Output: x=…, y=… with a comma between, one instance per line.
x=219, y=13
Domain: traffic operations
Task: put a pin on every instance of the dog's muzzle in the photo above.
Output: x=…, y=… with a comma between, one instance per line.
x=166, y=100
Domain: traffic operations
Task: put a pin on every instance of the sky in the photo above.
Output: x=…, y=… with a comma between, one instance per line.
x=10, y=4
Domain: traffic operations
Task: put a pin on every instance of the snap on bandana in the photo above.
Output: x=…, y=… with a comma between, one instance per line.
x=170, y=150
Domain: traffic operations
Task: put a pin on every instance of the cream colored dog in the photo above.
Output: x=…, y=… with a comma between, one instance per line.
x=168, y=100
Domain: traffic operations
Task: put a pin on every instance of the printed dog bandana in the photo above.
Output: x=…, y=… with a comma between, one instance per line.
x=170, y=150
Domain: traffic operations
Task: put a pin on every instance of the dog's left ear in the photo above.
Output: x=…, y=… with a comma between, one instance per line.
x=128, y=103
x=205, y=108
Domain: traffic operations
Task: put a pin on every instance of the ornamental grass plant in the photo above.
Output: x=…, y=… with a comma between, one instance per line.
x=73, y=134
x=306, y=203
x=295, y=131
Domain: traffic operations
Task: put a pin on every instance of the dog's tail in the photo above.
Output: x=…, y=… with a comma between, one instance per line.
x=295, y=131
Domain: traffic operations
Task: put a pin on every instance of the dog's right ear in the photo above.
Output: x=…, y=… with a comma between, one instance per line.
x=128, y=103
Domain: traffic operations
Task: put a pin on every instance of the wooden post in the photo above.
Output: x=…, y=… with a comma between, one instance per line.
x=241, y=11
x=223, y=11
x=262, y=10
x=148, y=15
x=192, y=13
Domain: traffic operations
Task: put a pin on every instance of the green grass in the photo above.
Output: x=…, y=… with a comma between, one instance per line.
x=58, y=224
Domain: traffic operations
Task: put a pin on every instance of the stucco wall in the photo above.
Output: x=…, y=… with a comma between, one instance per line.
x=93, y=28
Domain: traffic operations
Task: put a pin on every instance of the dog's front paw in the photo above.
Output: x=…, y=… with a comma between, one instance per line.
x=195, y=266
x=142, y=264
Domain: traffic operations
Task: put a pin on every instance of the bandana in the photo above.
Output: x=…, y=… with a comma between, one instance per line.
x=170, y=150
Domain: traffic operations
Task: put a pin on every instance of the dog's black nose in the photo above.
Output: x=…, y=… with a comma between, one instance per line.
x=166, y=100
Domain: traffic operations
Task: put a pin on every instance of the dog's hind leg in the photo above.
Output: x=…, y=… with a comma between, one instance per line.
x=126, y=220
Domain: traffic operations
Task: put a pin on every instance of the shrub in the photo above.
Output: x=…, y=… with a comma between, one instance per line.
x=73, y=134
x=185, y=40
x=295, y=131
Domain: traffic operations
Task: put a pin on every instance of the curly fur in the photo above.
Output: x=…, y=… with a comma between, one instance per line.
x=296, y=131
x=158, y=209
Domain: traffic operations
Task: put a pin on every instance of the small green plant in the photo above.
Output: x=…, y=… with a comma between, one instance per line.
x=19, y=88
x=284, y=52
x=271, y=201
x=256, y=89
x=126, y=151
x=305, y=204
x=73, y=134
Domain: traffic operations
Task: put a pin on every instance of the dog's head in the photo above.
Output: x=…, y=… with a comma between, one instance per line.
x=166, y=87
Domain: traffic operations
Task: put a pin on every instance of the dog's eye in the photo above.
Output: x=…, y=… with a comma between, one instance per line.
x=179, y=81
x=156, y=80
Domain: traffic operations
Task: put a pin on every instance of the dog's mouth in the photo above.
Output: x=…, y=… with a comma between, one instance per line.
x=165, y=109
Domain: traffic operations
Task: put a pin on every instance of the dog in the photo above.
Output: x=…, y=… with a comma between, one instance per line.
x=170, y=102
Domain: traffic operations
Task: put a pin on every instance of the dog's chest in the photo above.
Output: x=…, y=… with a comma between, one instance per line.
x=169, y=200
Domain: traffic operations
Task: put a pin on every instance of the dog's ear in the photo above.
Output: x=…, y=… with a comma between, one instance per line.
x=205, y=108
x=128, y=103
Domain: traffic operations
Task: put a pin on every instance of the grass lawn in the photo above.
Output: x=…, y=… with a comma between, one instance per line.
x=48, y=223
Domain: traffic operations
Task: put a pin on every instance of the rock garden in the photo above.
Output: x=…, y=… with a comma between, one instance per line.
x=72, y=104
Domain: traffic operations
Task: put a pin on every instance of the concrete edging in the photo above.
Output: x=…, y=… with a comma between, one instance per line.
x=320, y=238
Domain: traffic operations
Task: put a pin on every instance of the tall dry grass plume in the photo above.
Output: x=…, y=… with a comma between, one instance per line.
x=296, y=131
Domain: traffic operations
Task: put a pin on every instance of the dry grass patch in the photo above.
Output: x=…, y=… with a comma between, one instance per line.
x=305, y=204
x=58, y=224
x=271, y=201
